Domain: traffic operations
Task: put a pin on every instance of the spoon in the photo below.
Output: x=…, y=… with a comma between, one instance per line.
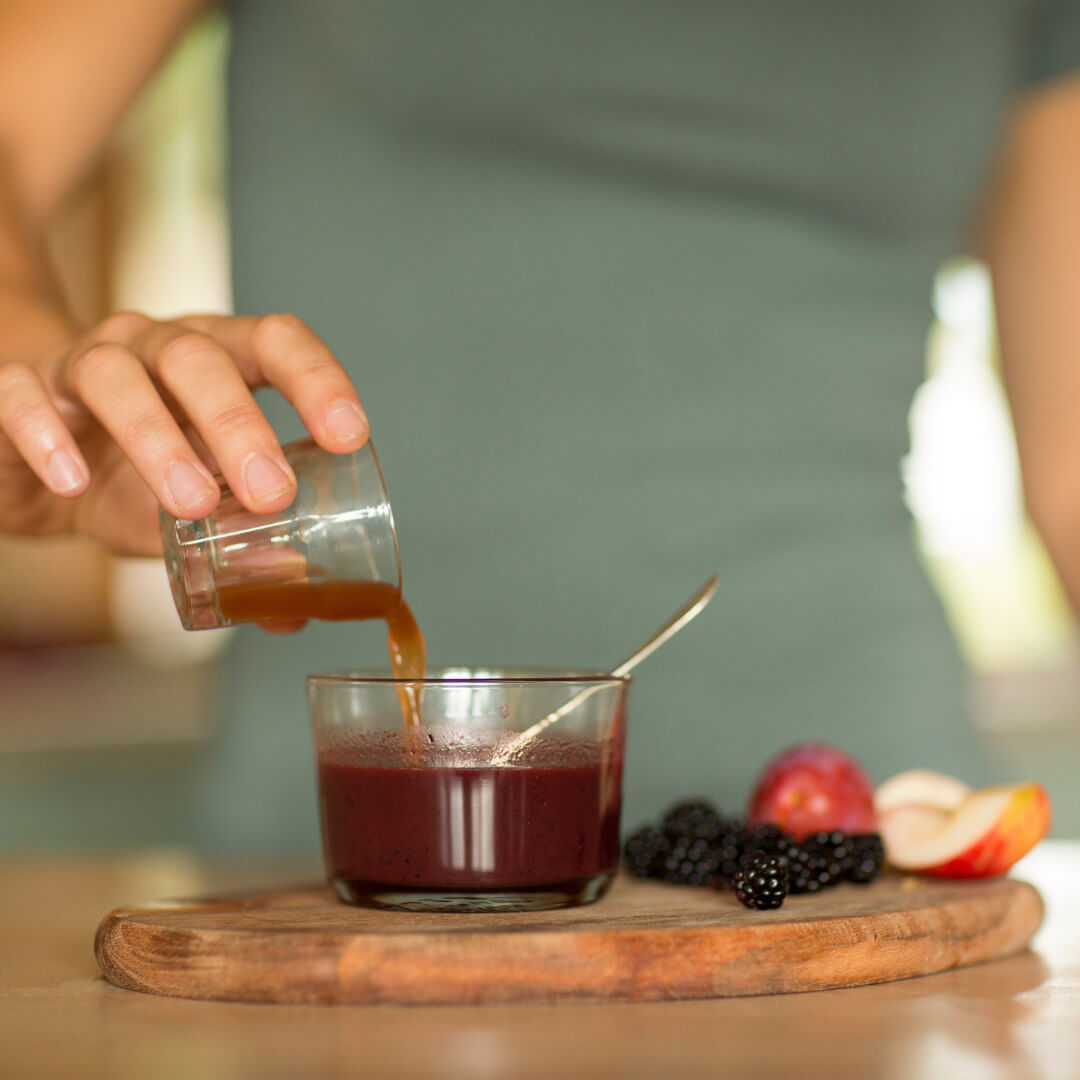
x=690, y=610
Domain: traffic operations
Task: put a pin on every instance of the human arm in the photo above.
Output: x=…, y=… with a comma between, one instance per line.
x=130, y=390
x=1031, y=240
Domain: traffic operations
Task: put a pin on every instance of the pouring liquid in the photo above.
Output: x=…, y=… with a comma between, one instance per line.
x=338, y=601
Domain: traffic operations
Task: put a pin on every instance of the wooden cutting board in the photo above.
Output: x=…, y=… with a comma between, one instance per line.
x=643, y=942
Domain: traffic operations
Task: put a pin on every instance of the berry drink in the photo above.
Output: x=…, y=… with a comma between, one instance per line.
x=421, y=822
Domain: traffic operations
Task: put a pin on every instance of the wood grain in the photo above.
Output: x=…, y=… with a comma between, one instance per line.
x=1018, y=1017
x=643, y=942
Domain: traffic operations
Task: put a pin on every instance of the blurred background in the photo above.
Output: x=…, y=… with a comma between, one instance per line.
x=130, y=698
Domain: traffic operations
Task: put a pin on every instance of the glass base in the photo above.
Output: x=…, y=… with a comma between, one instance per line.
x=191, y=576
x=528, y=898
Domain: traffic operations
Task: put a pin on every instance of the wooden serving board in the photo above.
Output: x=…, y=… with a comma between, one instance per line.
x=643, y=942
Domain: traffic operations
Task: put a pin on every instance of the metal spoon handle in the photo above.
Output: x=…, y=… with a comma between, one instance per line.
x=692, y=608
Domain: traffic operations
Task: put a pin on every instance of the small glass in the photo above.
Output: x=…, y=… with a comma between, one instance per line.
x=235, y=566
x=433, y=817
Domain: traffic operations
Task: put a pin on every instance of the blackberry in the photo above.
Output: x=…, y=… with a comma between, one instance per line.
x=826, y=839
x=768, y=840
x=689, y=861
x=643, y=851
x=695, y=818
x=803, y=870
x=827, y=863
x=837, y=847
x=808, y=869
x=867, y=858
x=813, y=866
x=761, y=882
x=730, y=847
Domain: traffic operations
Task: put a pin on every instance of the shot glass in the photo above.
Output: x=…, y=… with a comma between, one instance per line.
x=436, y=817
x=332, y=553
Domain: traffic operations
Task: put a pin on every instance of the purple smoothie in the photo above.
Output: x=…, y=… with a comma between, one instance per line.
x=421, y=820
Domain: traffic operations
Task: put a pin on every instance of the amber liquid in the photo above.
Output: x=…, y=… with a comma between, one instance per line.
x=338, y=601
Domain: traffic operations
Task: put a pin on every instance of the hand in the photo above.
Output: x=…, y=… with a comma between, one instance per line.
x=94, y=435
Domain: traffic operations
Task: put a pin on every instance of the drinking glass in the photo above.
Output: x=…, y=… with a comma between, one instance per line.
x=439, y=817
x=235, y=566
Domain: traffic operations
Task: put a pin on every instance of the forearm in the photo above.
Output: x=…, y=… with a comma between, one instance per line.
x=69, y=70
x=1032, y=244
x=32, y=313
x=52, y=591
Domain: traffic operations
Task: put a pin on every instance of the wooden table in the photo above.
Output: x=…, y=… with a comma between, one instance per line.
x=1012, y=1019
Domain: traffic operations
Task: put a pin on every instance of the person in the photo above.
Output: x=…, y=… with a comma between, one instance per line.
x=632, y=292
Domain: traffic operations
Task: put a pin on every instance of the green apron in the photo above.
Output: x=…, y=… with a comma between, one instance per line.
x=633, y=292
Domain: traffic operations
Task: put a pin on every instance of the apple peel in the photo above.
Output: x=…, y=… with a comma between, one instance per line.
x=983, y=837
x=810, y=788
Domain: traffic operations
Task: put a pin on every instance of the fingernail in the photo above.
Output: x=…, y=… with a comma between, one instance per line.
x=345, y=420
x=265, y=480
x=64, y=471
x=187, y=485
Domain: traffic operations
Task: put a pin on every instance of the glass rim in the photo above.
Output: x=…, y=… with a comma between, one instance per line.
x=370, y=445
x=511, y=676
x=308, y=443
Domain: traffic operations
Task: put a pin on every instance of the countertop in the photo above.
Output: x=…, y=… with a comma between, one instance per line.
x=1014, y=1018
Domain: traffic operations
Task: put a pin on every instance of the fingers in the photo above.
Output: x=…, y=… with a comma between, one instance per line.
x=205, y=368
x=202, y=378
x=113, y=384
x=281, y=351
x=200, y=447
x=29, y=418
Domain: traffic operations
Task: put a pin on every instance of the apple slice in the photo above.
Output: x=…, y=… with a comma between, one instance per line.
x=983, y=837
x=920, y=787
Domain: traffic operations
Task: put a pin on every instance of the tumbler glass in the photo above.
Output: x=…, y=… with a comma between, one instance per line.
x=331, y=554
x=439, y=817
